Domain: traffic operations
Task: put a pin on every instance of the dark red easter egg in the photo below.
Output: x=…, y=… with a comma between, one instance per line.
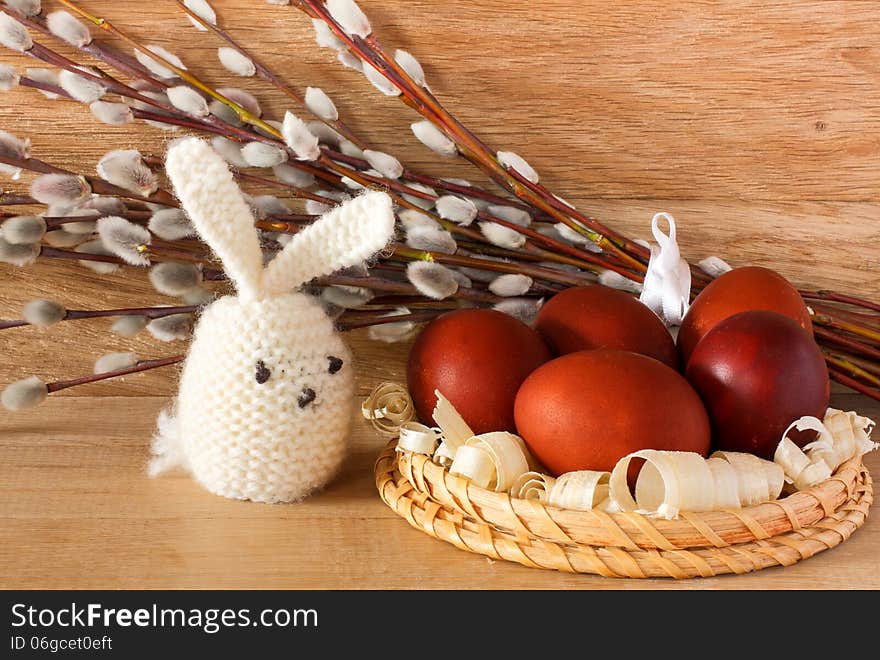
x=589, y=317
x=739, y=290
x=477, y=358
x=757, y=372
x=587, y=410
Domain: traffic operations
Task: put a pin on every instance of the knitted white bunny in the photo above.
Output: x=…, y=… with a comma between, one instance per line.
x=265, y=397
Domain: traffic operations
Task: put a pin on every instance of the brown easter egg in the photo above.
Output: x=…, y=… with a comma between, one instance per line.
x=739, y=290
x=477, y=358
x=757, y=372
x=589, y=317
x=587, y=410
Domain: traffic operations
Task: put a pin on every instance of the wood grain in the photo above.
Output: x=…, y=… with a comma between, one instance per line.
x=754, y=123
x=74, y=497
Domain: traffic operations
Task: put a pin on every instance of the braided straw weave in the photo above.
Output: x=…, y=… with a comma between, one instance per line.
x=498, y=526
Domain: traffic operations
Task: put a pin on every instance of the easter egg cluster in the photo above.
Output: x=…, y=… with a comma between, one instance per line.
x=599, y=375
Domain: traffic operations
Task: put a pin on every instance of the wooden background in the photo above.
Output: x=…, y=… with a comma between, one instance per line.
x=756, y=124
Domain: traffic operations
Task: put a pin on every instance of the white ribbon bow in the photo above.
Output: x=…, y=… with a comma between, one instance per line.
x=667, y=284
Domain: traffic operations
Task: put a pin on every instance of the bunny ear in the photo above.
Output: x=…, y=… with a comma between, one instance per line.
x=345, y=236
x=208, y=193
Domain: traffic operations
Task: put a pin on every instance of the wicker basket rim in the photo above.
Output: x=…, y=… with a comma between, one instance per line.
x=715, y=528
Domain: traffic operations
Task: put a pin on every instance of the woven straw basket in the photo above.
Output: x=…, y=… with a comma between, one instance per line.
x=498, y=526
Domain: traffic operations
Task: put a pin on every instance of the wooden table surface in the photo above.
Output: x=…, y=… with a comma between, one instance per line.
x=754, y=123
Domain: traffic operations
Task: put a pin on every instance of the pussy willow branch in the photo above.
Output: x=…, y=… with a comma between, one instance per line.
x=103, y=52
x=340, y=127
x=79, y=314
x=325, y=160
x=474, y=150
x=144, y=365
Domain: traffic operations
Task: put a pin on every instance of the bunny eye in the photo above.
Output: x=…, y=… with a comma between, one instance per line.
x=335, y=364
x=263, y=372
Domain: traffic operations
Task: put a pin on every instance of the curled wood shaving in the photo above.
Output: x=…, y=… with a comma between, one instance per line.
x=840, y=437
x=388, y=408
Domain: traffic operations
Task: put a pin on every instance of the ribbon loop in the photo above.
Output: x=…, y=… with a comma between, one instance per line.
x=667, y=286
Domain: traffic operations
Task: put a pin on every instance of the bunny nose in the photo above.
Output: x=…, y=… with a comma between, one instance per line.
x=306, y=397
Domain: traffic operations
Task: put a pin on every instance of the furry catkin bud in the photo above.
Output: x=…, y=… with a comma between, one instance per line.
x=100, y=267
x=84, y=90
x=18, y=254
x=129, y=326
x=510, y=285
x=197, y=296
x=171, y=225
x=458, y=209
x=615, y=280
x=67, y=28
x=125, y=239
x=230, y=151
x=171, y=328
x=516, y=162
x=115, y=362
x=25, y=393
x=379, y=81
x=23, y=229
x=511, y=214
x=43, y=313
x=60, y=189
x=386, y=164
x=524, y=309
x=224, y=113
x=126, y=168
x=350, y=149
x=320, y=104
x=13, y=35
x=114, y=114
x=173, y=278
x=105, y=205
x=84, y=227
x=188, y=100
x=431, y=279
x=9, y=77
x=25, y=7
x=12, y=147
x=325, y=37
x=61, y=238
x=245, y=99
x=299, y=138
x=421, y=202
x=502, y=236
x=391, y=333
x=410, y=64
x=346, y=297
x=410, y=219
x=350, y=60
x=571, y=235
x=325, y=134
x=203, y=10
x=458, y=182
x=235, y=62
x=350, y=17
x=431, y=239
x=433, y=138
x=155, y=67
x=712, y=266
x=259, y=154
x=270, y=205
x=47, y=76
x=293, y=176
x=314, y=207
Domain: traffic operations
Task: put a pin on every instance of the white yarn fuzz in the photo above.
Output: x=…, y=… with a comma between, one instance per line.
x=667, y=285
x=263, y=412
